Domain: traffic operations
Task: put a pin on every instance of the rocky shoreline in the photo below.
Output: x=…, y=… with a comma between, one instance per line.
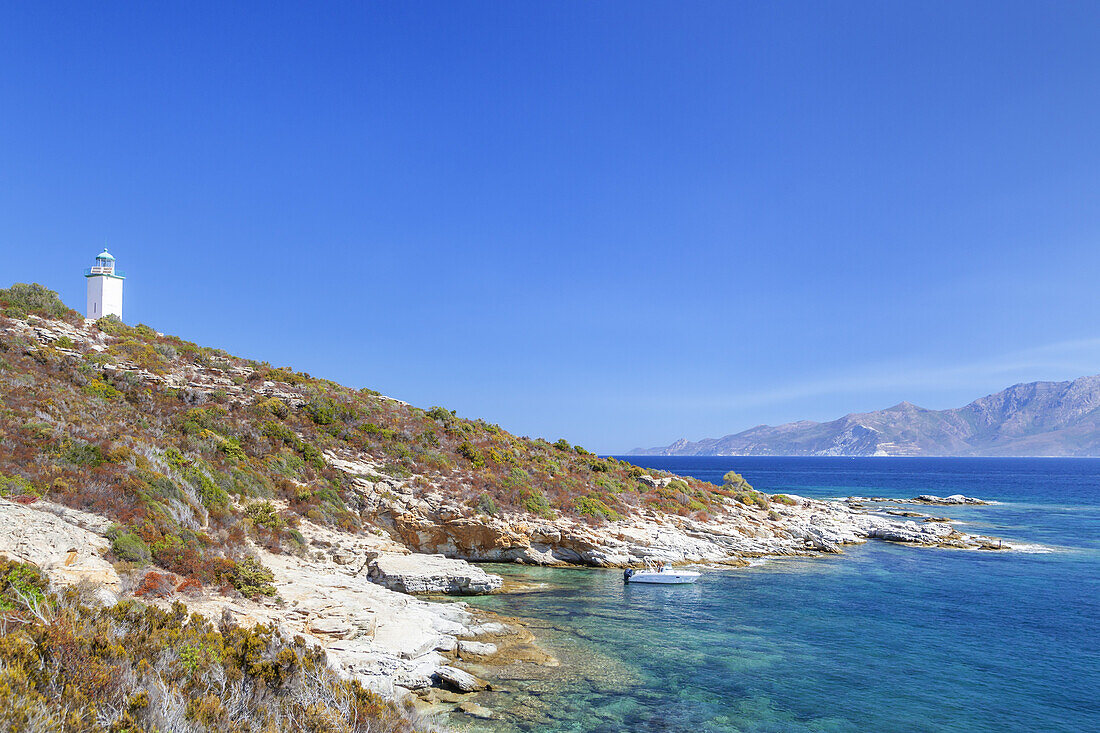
x=354, y=594
x=430, y=522
x=953, y=500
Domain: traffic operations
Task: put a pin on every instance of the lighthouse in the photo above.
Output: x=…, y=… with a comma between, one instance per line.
x=104, y=287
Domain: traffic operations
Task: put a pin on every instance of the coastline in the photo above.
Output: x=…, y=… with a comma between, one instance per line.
x=340, y=589
x=333, y=578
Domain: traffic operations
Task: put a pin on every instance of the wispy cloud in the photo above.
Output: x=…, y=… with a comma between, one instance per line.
x=1061, y=360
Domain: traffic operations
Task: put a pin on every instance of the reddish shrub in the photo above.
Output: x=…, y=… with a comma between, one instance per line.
x=190, y=586
x=157, y=585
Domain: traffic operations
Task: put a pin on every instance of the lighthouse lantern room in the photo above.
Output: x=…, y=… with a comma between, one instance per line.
x=104, y=287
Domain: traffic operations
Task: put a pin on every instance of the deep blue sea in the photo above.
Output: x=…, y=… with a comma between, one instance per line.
x=882, y=638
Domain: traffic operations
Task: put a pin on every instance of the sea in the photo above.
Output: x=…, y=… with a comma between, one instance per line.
x=884, y=637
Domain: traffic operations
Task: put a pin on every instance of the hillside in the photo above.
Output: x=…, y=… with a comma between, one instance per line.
x=1034, y=419
x=139, y=470
x=182, y=445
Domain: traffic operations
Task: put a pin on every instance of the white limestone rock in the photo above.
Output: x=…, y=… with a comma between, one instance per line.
x=475, y=651
x=460, y=680
x=948, y=500
x=419, y=573
x=54, y=538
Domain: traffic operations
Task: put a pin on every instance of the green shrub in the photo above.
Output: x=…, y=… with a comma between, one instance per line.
x=252, y=579
x=535, y=502
x=783, y=499
x=734, y=480
x=102, y=390
x=471, y=454
x=130, y=547
x=287, y=375
x=441, y=414
x=436, y=461
x=12, y=486
x=751, y=497
x=81, y=453
x=598, y=465
x=311, y=455
x=516, y=477
x=231, y=447
x=593, y=506
x=610, y=485
x=22, y=299
x=212, y=496
x=280, y=432
x=276, y=407
x=377, y=431
x=486, y=505
x=17, y=579
x=264, y=514
x=114, y=326
x=397, y=470
x=321, y=410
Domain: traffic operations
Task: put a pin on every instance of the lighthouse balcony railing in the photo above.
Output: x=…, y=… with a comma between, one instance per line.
x=103, y=271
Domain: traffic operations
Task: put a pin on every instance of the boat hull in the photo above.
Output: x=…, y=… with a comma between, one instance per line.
x=665, y=578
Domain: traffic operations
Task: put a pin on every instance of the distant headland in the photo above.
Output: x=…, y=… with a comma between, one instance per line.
x=1033, y=419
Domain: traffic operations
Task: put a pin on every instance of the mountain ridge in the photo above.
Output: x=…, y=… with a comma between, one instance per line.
x=1053, y=419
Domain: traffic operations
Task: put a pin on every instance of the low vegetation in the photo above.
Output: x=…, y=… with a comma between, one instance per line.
x=193, y=475
x=68, y=665
x=737, y=488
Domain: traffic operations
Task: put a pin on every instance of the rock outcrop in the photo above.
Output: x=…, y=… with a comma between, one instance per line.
x=430, y=522
x=58, y=541
x=948, y=500
x=418, y=573
x=387, y=639
x=459, y=680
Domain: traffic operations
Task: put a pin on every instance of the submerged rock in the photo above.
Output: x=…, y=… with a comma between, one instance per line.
x=476, y=711
x=460, y=680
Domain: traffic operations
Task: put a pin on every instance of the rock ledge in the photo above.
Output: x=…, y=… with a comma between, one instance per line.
x=420, y=573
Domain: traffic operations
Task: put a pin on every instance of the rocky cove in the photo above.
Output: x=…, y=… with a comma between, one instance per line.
x=356, y=572
x=355, y=594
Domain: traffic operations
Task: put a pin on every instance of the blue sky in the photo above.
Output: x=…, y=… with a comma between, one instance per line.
x=619, y=222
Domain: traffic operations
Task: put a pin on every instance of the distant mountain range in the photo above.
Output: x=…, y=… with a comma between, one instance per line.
x=1035, y=419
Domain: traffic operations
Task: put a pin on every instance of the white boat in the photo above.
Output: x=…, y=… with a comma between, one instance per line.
x=659, y=573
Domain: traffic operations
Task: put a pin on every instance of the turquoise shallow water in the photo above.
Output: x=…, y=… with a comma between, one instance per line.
x=884, y=638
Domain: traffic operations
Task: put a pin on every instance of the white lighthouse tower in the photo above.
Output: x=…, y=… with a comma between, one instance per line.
x=104, y=287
